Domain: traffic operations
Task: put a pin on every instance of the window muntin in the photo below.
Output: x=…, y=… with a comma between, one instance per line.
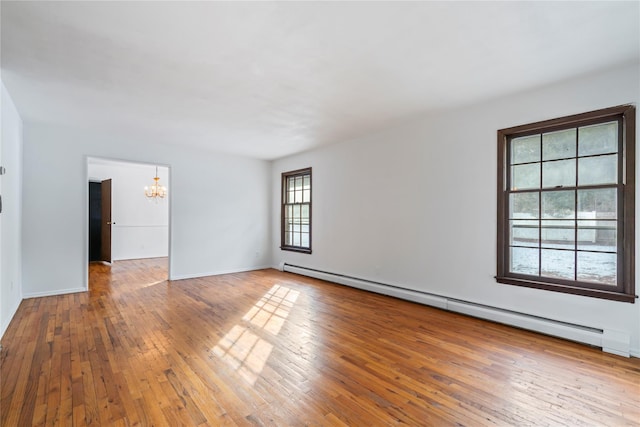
x=296, y=211
x=566, y=204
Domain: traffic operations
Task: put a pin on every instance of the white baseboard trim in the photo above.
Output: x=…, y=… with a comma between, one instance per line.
x=217, y=273
x=139, y=257
x=13, y=313
x=53, y=293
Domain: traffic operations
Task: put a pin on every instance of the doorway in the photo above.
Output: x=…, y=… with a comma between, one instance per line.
x=122, y=223
x=100, y=221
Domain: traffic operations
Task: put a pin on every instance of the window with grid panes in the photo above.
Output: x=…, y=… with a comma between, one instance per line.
x=296, y=211
x=566, y=204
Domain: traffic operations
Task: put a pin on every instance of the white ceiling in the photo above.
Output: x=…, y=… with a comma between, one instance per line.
x=269, y=79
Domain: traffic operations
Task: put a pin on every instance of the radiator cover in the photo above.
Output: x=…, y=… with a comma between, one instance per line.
x=611, y=341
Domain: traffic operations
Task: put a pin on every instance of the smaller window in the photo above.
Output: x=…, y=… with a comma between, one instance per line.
x=296, y=211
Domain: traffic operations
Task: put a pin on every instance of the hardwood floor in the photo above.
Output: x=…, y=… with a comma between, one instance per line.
x=272, y=348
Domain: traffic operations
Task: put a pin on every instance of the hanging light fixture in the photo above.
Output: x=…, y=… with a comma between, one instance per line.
x=156, y=191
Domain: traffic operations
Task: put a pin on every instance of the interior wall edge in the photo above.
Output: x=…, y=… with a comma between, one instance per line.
x=12, y=314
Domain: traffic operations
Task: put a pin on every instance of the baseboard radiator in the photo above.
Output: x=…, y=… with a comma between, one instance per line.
x=616, y=342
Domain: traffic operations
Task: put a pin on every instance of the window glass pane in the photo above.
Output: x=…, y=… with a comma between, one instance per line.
x=288, y=238
x=559, y=234
x=597, y=267
x=298, y=196
x=305, y=240
x=598, y=235
x=525, y=176
x=306, y=196
x=288, y=221
x=560, y=264
x=298, y=183
x=524, y=261
x=559, y=145
x=524, y=232
x=525, y=149
x=296, y=212
x=598, y=204
x=296, y=239
x=307, y=182
x=598, y=170
x=559, y=172
x=290, y=197
x=291, y=189
x=288, y=215
x=558, y=204
x=598, y=139
x=524, y=205
x=305, y=212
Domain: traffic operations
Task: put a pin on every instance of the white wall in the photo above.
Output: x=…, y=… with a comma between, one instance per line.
x=10, y=218
x=141, y=227
x=219, y=206
x=415, y=206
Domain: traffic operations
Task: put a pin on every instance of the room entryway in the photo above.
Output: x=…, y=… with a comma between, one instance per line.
x=123, y=222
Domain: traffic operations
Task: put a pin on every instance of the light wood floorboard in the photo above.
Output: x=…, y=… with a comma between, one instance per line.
x=275, y=349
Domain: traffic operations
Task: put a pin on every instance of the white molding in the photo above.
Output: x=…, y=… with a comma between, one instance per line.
x=53, y=293
x=217, y=273
x=136, y=258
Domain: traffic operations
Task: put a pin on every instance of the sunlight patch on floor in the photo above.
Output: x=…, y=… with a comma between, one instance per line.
x=244, y=350
x=146, y=285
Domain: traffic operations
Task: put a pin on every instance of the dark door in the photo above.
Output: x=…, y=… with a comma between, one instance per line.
x=105, y=226
x=95, y=220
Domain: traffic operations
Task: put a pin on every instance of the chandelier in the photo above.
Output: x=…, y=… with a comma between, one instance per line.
x=155, y=191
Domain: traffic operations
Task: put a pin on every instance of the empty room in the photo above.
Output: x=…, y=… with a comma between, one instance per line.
x=319, y=213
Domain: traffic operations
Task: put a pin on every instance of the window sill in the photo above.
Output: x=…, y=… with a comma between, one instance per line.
x=296, y=249
x=576, y=290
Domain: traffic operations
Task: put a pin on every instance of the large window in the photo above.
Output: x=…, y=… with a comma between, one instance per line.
x=296, y=211
x=566, y=202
